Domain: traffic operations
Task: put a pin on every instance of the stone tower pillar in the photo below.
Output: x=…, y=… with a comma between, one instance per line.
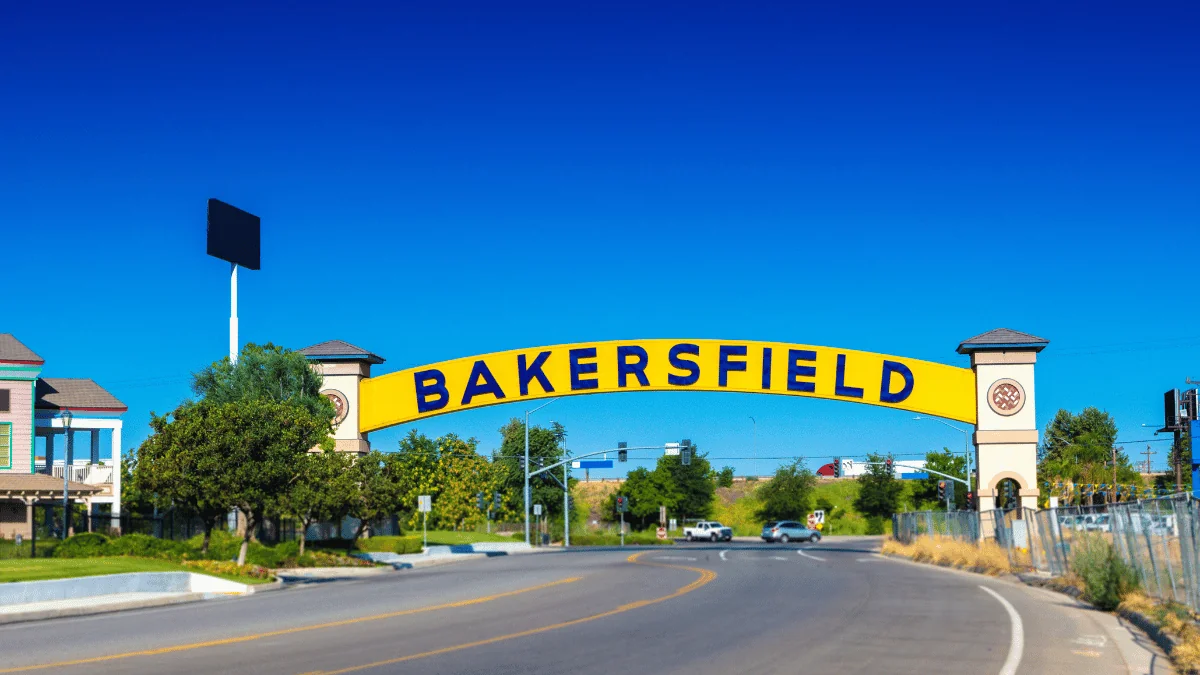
x=343, y=366
x=1006, y=432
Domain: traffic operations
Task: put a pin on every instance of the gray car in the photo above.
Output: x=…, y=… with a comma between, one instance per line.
x=784, y=531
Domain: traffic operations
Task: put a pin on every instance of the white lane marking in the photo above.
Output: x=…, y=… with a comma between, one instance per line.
x=813, y=557
x=778, y=557
x=1091, y=641
x=867, y=560
x=1017, y=644
x=674, y=557
x=723, y=555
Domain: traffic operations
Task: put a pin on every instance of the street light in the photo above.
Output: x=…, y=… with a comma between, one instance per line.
x=527, y=413
x=966, y=444
x=66, y=521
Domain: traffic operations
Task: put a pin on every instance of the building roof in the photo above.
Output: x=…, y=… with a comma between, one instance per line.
x=18, y=483
x=76, y=393
x=336, y=350
x=1002, y=339
x=12, y=351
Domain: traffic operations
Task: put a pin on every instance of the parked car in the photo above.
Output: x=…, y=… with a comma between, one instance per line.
x=784, y=531
x=708, y=529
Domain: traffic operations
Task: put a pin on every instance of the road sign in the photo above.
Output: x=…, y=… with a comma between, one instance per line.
x=537, y=509
x=812, y=521
x=672, y=448
x=592, y=464
x=424, y=503
x=673, y=524
x=662, y=533
x=662, y=516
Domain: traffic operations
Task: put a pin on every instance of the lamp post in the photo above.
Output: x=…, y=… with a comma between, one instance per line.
x=966, y=445
x=527, y=413
x=754, y=445
x=66, y=521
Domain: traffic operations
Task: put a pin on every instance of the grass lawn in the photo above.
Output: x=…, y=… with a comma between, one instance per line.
x=450, y=538
x=40, y=569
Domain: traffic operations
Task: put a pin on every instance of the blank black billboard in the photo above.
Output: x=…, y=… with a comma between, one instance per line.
x=233, y=234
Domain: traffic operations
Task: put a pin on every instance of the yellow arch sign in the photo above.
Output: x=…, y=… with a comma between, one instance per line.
x=667, y=365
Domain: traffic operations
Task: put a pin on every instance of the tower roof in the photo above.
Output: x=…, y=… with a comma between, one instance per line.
x=337, y=350
x=13, y=351
x=1002, y=339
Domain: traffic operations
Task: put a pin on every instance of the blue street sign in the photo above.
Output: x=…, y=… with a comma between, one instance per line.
x=916, y=475
x=1195, y=429
x=592, y=464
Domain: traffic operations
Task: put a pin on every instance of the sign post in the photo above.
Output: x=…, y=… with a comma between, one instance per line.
x=424, y=505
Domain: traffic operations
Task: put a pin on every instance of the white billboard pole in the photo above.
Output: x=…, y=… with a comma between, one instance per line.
x=233, y=318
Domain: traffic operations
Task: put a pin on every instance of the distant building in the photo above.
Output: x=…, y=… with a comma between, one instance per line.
x=33, y=443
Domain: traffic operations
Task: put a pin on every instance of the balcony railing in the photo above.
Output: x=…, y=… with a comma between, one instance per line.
x=89, y=474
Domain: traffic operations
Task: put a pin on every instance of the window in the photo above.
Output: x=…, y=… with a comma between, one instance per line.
x=5, y=405
x=5, y=444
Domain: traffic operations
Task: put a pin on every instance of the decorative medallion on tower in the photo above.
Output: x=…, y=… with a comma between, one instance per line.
x=340, y=406
x=1006, y=397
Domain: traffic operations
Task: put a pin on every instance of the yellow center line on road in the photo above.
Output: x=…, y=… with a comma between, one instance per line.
x=288, y=631
x=706, y=576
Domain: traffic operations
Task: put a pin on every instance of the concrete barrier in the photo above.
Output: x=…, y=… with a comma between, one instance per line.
x=22, y=592
x=477, y=550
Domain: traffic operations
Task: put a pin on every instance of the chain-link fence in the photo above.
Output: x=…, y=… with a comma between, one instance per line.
x=960, y=525
x=1157, y=537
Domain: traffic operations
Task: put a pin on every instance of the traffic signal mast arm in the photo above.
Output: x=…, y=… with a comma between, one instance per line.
x=591, y=454
x=921, y=468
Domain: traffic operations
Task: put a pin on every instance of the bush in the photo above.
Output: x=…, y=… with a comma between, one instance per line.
x=611, y=539
x=874, y=524
x=85, y=545
x=379, y=544
x=229, y=568
x=985, y=557
x=145, y=546
x=1106, y=577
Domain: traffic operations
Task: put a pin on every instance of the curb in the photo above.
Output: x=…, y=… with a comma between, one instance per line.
x=103, y=609
x=1165, y=641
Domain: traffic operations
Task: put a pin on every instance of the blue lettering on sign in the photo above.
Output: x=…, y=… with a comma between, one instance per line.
x=796, y=371
x=578, y=368
x=637, y=369
x=481, y=381
x=839, y=383
x=525, y=375
x=766, y=372
x=691, y=367
x=724, y=365
x=430, y=383
x=886, y=395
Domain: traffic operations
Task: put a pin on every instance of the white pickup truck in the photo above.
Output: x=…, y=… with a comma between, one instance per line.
x=708, y=529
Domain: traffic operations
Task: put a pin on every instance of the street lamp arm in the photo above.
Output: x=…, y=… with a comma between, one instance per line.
x=934, y=419
x=590, y=454
x=921, y=468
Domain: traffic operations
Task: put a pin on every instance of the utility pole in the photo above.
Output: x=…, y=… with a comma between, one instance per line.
x=754, y=445
x=1147, y=453
x=1177, y=451
x=1112, y=491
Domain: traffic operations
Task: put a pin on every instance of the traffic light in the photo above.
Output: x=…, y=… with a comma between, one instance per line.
x=687, y=443
x=622, y=504
x=685, y=456
x=887, y=463
x=941, y=490
x=479, y=501
x=622, y=453
x=837, y=467
x=496, y=501
x=970, y=500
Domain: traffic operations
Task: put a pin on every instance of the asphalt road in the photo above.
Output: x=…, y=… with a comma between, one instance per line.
x=833, y=607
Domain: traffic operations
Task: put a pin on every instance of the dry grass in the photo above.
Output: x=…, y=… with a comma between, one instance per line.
x=1174, y=619
x=986, y=557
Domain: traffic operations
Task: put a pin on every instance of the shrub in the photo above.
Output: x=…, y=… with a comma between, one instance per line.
x=611, y=539
x=229, y=568
x=875, y=525
x=1106, y=577
x=85, y=545
x=145, y=546
x=985, y=557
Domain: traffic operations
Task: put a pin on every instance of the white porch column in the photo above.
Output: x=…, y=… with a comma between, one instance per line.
x=95, y=436
x=116, y=459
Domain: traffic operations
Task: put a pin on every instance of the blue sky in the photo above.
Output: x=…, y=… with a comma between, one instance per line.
x=445, y=181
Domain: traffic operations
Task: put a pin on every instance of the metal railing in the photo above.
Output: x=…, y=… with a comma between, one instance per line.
x=92, y=474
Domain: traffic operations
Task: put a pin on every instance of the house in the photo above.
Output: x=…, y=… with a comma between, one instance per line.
x=40, y=420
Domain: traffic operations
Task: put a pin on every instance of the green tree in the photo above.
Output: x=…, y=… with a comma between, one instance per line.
x=925, y=490
x=879, y=491
x=789, y=495
x=181, y=465
x=134, y=498
x=546, y=447
x=724, y=477
x=323, y=487
x=416, y=465
x=691, y=482
x=463, y=474
x=1079, y=450
x=263, y=444
x=264, y=372
x=647, y=491
x=379, y=485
